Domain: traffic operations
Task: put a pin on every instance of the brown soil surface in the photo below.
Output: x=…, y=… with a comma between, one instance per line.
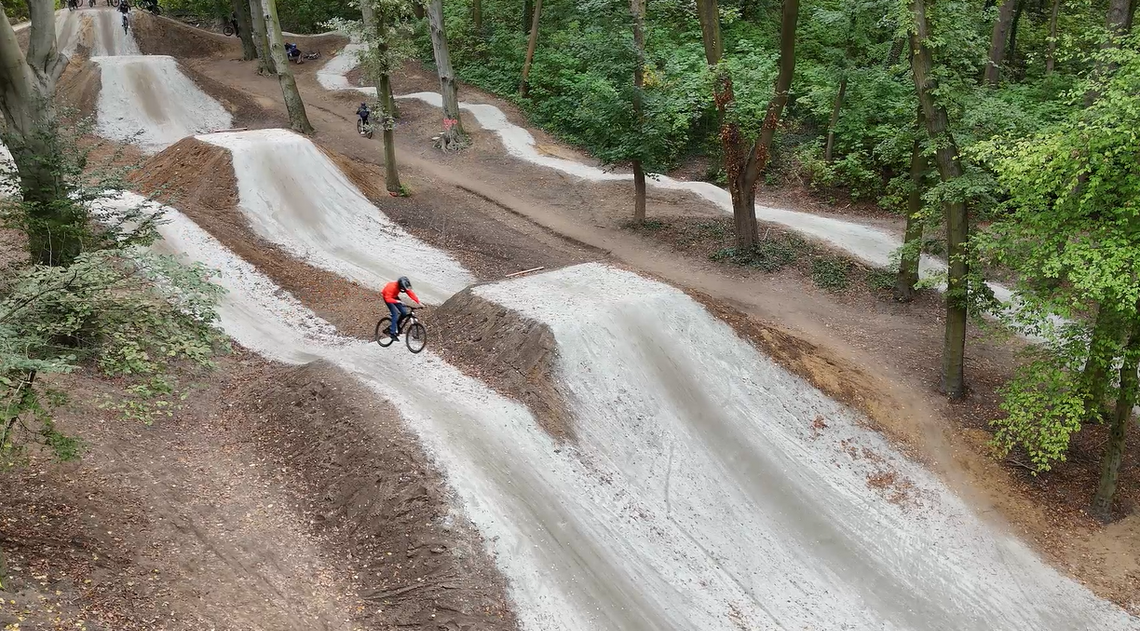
x=268, y=514
x=79, y=88
x=512, y=354
x=157, y=35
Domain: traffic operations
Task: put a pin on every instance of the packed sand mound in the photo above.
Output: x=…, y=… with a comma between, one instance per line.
x=294, y=196
x=189, y=173
x=511, y=353
x=147, y=100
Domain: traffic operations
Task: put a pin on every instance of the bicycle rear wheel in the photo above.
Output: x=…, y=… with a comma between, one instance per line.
x=382, y=336
x=416, y=337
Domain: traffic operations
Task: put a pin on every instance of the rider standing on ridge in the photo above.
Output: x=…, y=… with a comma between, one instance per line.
x=391, y=295
x=124, y=7
x=362, y=112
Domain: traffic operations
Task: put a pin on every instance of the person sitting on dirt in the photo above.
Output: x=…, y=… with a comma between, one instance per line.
x=363, y=113
x=391, y=294
x=292, y=52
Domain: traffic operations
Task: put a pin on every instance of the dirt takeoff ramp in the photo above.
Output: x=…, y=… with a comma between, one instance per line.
x=147, y=100
x=758, y=489
x=295, y=196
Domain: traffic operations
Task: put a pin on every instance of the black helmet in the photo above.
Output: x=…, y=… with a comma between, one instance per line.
x=364, y=105
x=404, y=283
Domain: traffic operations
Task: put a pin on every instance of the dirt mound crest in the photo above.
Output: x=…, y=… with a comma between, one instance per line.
x=189, y=172
x=79, y=88
x=512, y=354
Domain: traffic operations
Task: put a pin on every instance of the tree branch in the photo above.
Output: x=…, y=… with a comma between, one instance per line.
x=758, y=156
x=42, y=43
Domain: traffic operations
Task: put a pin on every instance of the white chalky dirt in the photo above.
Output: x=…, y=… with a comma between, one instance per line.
x=110, y=38
x=698, y=498
x=147, y=100
x=295, y=196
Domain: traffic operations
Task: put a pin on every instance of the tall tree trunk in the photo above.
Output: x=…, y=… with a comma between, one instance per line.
x=477, y=17
x=743, y=162
x=527, y=15
x=997, y=42
x=637, y=13
x=1118, y=432
x=55, y=225
x=895, y=52
x=377, y=26
x=245, y=29
x=453, y=137
x=298, y=119
x=828, y=150
x=1104, y=349
x=1011, y=53
x=418, y=9
x=1118, y=16
x=1051, y=51
x=265, y=62
x=531, y=44
x=912, y=250
x=957, y=227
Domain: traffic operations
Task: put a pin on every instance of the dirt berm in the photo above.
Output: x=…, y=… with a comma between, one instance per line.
x=376, y=496
x=512, y=354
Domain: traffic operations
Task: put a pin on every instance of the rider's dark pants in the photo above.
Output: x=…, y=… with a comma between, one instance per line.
x=397, y=310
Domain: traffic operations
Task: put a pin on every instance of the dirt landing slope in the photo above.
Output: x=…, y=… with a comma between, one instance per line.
x=280, y=499
x=198, y=179
x=511, y=353
x=371, y=490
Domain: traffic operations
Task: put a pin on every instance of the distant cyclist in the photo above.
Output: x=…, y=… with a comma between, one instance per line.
x=391, y=295
x=362, y=112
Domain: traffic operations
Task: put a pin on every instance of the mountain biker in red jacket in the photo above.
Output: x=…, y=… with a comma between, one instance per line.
x=391, y=295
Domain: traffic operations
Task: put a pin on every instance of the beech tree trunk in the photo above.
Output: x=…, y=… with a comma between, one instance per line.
x=54, y=226
x=245, y=26
x=1118, y=431
x=527, y=15
x=828, y=154
x=912, y=252
x=997, y=42
x=453, y=137
x=1011, y=52
x=477, y=17
x=637, y=13
x=531, y=44
x=1051, y=50
x=377, y=26
x=298, y=119
x=743, y=162
x=265, y=62
x=957, y=227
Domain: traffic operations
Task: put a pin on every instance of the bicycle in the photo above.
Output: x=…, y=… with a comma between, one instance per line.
x=415, y=335
x=125, y=23
x=228, y=30
x=363, y=128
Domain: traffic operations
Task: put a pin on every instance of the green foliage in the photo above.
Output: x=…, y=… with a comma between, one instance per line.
x=769, y=255
x=128, y=313
x=116, y=307
x=830, y=273
x=1070, y=234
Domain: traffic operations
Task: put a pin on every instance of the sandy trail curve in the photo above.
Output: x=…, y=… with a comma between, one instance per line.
x=147, y=100
x=701, y=494
x=295, y=196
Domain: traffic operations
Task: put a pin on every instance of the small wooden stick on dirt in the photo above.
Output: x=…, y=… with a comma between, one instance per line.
x=525, y=271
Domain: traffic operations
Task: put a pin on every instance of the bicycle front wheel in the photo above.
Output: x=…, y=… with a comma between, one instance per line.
x=416, y=337
x=382, y=335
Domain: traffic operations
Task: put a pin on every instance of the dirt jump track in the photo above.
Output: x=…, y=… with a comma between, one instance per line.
x=583, y=448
